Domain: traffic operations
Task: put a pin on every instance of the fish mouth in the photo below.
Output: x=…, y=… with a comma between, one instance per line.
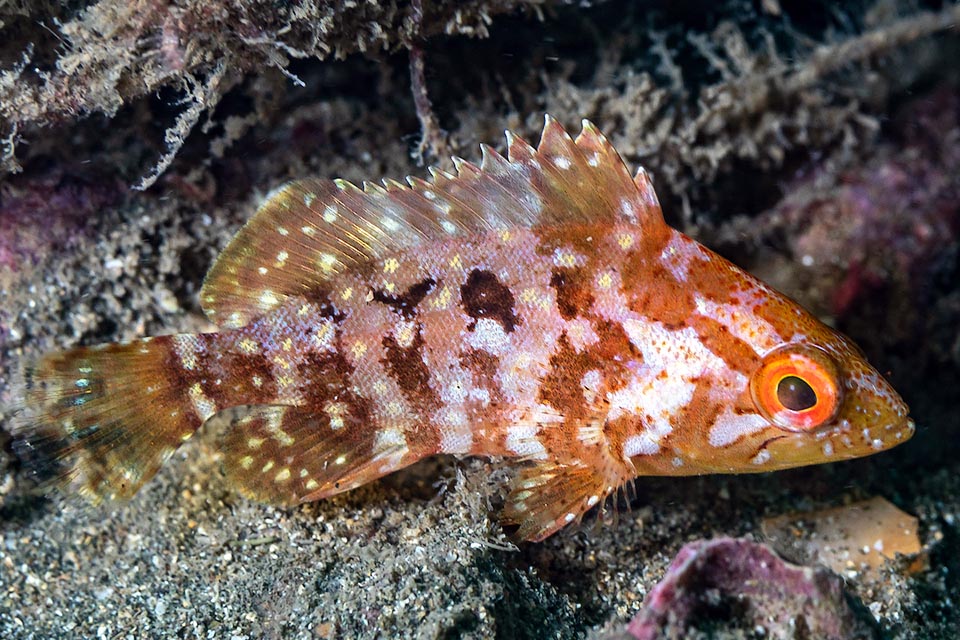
x=898, y=432
x=910, y=427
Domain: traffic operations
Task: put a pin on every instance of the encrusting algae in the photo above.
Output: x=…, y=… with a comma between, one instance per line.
x=534, y=307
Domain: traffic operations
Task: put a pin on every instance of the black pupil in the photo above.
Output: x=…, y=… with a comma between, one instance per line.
x=795, y=394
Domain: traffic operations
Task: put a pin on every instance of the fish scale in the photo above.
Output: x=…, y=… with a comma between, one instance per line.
x=535, y=307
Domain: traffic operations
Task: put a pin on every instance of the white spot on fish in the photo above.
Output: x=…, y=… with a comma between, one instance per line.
x=268, y=299
x=327, y=262
x=566, y=258
x=404, y=333
x=640, y=445
x=390, y=445
x=336, y=411
x=677, y=256
x=185, y=347
x=581, y=334
x=522, y=440
x=204, y=406
x=456, y=436
x=730, y=427
x=591, y=382
x=480, y=395
x=490, y=336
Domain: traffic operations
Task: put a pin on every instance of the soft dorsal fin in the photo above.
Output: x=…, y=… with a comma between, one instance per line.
x=309, y=230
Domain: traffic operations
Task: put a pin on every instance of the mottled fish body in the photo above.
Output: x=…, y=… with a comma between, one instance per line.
x=536, y=307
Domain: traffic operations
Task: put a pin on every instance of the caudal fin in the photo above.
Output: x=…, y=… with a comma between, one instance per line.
x=102, y=420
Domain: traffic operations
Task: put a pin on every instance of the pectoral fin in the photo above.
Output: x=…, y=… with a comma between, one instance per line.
x=549, y=496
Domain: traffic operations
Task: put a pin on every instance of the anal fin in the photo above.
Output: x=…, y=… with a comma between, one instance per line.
x=288, y=455
x=548, y=496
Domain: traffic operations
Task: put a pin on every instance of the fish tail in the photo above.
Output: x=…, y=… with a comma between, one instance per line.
x=102, y=420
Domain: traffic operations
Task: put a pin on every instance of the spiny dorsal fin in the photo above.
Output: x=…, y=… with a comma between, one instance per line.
x=310, y=230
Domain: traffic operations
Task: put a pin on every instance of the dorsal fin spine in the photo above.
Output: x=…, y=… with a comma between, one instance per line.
x=491, y=161
x=645, y=187
x=519, y=150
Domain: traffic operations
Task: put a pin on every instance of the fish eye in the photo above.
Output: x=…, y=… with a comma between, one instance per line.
x=795, y=393
x=797, y=387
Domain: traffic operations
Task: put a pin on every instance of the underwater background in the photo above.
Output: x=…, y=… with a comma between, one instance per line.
x=816, y=144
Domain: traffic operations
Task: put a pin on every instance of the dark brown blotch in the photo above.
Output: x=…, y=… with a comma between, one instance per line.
x=614, y=347
x=407, y=368
x=482, y=364
x=324, y=377
x=561, y=388
x=235, y=372
x=406, y=303
x=574, y=297
x=484, y=296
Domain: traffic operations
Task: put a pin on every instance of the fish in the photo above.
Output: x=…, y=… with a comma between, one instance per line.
x=534, y=307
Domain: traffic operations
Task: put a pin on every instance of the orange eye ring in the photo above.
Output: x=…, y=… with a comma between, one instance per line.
x=797, y=387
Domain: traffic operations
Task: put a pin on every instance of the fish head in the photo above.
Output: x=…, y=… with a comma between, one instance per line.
x=823, y=400
x=734, y=377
